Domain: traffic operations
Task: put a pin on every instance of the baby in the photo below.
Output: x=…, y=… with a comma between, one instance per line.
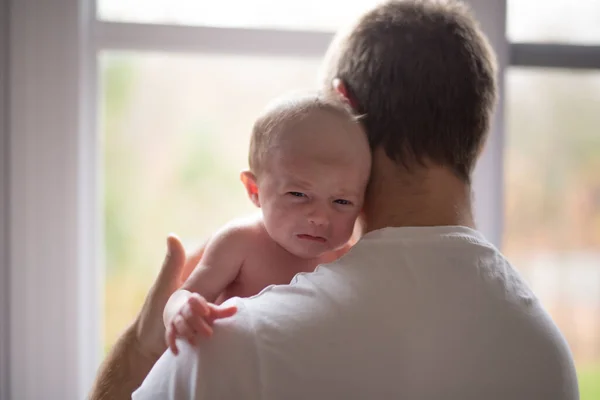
x=309, y=165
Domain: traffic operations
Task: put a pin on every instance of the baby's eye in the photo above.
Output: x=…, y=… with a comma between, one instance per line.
x=297, y=194
x=343, y=202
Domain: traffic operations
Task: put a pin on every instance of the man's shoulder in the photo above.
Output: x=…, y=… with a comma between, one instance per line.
x=283, y=309
x=223, y=366
x=235, y=334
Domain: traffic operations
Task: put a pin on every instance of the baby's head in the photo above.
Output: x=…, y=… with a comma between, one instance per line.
x=309, y=166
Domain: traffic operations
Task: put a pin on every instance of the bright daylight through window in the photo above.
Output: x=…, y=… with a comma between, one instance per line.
x=175, y=131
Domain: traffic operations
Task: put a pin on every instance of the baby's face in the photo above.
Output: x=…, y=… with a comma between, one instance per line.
x=312, y=189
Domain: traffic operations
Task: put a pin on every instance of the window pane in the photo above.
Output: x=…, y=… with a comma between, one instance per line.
x=553, y=202
x=554, y=21
x=175, y=138
x=305, y=15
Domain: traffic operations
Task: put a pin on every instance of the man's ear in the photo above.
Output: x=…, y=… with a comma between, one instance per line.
x=249, y=181
x=340, y=87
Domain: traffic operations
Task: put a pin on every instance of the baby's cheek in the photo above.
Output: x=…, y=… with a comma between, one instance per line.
x=278, y=220
x=345, y=228
x=282, y=218
x=275, y=210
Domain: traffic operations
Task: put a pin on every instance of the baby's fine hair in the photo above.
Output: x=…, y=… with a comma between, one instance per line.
x=283, y=110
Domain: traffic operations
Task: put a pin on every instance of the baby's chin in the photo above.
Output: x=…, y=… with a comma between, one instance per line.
x=309, y=255
x=314, y=251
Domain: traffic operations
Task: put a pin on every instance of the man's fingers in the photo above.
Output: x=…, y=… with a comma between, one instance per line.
x=192, y=261
x=170, y=271
x=149, y=326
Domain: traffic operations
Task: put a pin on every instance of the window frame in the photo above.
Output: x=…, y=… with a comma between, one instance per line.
x=53, y=213
x=50, y=169
x=4, y=215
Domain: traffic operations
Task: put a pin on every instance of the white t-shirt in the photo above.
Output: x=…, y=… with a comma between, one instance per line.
x=408, y=313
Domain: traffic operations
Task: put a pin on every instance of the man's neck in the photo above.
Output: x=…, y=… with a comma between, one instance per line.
x=423, y=196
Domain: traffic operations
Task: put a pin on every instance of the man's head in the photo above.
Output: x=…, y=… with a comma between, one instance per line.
x=309, y=166
x=423, y=75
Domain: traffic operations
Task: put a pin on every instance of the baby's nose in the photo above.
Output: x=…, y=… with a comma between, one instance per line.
x=318, y=218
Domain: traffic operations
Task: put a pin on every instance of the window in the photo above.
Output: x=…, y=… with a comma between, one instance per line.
x=177, y=170
x=554, y=21
x=325, y=15
x=167, y=120
x=552, y=226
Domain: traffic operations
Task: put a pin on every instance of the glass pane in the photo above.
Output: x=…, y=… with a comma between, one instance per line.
x=554, y=21
x=304, y=15
x=175, y=138
x=553, y=202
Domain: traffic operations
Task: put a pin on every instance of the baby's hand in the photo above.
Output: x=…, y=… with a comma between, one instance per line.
x=196, y=316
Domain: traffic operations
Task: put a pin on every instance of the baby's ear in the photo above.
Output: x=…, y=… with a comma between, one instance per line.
x=342, y=90
x=249, y=181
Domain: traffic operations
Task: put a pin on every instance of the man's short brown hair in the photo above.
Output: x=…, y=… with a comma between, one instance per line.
x=423, y=75
x=283, y=112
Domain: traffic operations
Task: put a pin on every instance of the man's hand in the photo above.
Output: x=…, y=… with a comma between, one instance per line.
x=143, y=342
x=149, y=326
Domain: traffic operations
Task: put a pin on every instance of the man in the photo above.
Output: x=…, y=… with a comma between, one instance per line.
x=422, y=307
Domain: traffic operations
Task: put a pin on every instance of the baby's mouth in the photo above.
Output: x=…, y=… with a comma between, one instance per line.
x=318, y=239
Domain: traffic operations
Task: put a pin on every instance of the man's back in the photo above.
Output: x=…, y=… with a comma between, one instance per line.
x=416, y=313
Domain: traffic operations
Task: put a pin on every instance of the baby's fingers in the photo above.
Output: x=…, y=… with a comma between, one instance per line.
x=184, y=330
x=205, y=329
x=170, y=338
x=220, y=311
x=198, y=305
x=195, y=321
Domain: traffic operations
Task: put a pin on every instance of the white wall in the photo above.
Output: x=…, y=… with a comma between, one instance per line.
x=4, y=318
x=46, y=231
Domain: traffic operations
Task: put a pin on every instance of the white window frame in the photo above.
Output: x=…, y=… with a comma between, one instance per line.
x=50, y=230
x=53, y=209
x=4, y=286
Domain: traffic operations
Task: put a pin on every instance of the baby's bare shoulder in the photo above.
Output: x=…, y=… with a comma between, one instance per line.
x=240, y=233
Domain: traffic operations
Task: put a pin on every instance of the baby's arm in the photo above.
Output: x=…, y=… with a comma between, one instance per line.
x=219, y=266
x=188, y=311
